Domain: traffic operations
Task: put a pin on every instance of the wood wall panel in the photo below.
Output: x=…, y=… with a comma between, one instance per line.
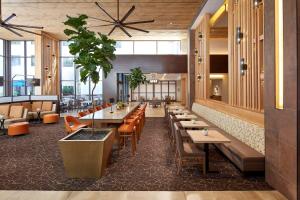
x=202, y=59
x=47, y=63
x=246, y=91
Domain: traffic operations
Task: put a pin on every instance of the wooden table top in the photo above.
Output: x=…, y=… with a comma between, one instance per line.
x=186, y=116
x=213, y=136
x=117, y=116
x=196, y=124
x=180, y=111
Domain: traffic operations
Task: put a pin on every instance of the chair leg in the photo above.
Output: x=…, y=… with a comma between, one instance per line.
x=133, y=144
x=204, y=166
x=179, y=167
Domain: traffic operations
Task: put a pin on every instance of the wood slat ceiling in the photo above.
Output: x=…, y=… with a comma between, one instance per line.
x=172, y=17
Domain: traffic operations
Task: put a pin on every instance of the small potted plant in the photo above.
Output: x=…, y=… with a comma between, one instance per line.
x=85, y=153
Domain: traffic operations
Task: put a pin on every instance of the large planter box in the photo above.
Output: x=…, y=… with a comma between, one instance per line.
x=86, y=158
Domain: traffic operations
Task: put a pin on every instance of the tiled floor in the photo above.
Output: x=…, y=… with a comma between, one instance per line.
x=95, y=195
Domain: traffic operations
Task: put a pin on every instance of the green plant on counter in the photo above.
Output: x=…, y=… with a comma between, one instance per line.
x=136, y=77
x=93, y=51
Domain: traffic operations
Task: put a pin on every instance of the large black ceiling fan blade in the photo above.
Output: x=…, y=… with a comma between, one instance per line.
x=25, y=26
x=9, y=18
x=128, y=13
x=101, y=25
x=112, y=30
x=139, y=22
x=124, y=30
x=103, y=20
x=137, y=29
x=105, y=12
x=20, y=29
x=14, y=32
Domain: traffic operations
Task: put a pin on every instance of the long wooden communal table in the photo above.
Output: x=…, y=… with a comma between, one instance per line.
x=104, y=116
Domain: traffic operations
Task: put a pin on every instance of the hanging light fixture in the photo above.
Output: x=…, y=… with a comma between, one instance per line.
x=16, y=27
x=257, y=2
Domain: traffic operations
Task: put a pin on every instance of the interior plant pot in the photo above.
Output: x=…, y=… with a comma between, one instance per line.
x=86, y=153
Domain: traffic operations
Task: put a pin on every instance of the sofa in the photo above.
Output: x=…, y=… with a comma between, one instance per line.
x=45, y=107
x=13, y=114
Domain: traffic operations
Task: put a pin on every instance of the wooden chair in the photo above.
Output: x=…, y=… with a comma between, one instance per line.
x=139, y=123
x=91, y=110
x=72, y=124
x=128, y=130
x=187, y=153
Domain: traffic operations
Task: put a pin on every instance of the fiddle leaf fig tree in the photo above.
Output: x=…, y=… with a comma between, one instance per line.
x=92, y=51
x=136, y=77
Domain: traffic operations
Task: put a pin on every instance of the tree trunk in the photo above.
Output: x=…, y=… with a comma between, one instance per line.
x=93, y=102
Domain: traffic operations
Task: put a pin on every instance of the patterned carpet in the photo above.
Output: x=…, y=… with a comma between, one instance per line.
x=33, y=162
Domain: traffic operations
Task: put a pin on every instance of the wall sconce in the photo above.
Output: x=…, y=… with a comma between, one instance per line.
x=199, y=60
x=196, y=51
x=200, y=35
x=48, y=45
x=199, y=77
x=243, y=66
x=46, y=68
x=49, y=76
x=239, y=35
x=257, y=2
x=279, y=49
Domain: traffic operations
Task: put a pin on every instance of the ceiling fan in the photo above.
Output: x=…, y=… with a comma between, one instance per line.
x=121, y=23
x=15, y=27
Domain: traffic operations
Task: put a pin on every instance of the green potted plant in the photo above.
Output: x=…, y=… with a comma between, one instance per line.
x=86, y=151
x=136, y=77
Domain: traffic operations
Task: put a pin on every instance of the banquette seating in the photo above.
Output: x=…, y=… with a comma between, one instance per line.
x=13, y=113
x=45, y=107
x=246, y=158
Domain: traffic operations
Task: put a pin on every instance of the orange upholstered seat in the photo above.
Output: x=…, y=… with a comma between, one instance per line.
x=98, y=108
x=51, y=118
x=128, y=130
x=18, y=128
x=82, y=114
x=72, y=124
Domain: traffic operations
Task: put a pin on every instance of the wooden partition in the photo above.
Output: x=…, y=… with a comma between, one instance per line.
x=246, y=35
x=47, y=63
x=246, y=69
x=202, y=35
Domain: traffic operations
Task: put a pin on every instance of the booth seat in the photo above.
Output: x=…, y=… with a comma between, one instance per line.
x=246, y=149
x=13, y=114
x=46, y=107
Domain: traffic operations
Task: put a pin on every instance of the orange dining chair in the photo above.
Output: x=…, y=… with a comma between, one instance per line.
x=105, y=105
x=72, y=124
x=109, y=104
x=139, y=125
x=128, y=130
x=98, y=108
x=91, y=110
x=82, y=114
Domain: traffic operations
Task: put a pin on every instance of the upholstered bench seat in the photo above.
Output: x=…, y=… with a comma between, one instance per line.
x=19, y=128
x=244, y=157
x=51, y=118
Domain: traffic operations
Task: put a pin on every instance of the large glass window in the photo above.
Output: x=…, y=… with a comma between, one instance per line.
x=22, y=67
x=71, y=86
x=2, y=64
x=168, y=47
x=124, y=47
x=145, y=47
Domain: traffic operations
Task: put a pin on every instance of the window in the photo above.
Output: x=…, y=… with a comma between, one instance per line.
x=168, y=47
x=145, y=47
x=71, y=86
x=2, y=65
x=22, y=67
x=124, y=47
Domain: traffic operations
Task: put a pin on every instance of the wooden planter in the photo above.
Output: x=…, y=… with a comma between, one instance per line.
x=86, y=158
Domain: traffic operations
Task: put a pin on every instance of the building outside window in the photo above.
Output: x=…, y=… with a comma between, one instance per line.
x=71, y=86
x=22, y=67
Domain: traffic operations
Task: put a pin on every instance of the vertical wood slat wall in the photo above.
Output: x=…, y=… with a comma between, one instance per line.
x=202, y=67
x=48, y=63
x=246, y=91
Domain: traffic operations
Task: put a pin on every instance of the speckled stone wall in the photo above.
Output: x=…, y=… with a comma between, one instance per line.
x=247, y=132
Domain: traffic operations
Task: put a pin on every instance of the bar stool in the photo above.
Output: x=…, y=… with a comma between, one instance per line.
x=128, y=130
x=139, y=123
